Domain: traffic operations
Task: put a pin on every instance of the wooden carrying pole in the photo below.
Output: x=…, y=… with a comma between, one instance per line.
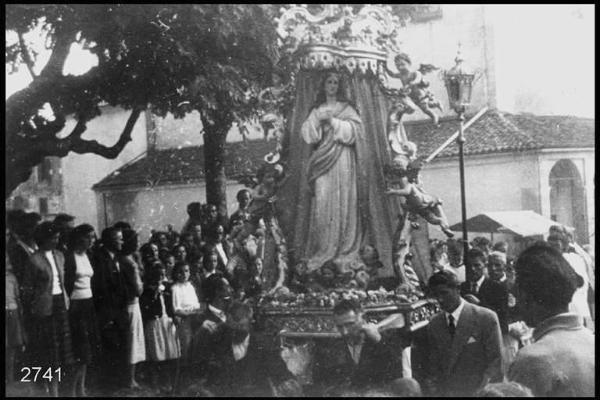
x=455, y=135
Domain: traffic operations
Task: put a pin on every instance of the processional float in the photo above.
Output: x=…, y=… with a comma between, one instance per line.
x=357, y=46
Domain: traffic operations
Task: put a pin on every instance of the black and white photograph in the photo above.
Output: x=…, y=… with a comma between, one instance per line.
x=300, y=200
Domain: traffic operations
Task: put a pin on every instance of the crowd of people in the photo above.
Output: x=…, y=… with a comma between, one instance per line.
x=181, y=307
x=74, y=300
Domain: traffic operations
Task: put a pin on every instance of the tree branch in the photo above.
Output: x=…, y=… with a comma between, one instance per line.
x=81, y=146
x=79, y=128
x=26, y=56
x=64, y=39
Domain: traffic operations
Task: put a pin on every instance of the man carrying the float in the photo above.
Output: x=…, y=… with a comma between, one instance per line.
x=365, y=356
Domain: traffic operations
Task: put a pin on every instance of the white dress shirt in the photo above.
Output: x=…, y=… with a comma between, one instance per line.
x=455, y=313
x=355, y=350
x=219, y=313
x=221, y=252
x=56, y=289
x=184, y=297
x=240, y=350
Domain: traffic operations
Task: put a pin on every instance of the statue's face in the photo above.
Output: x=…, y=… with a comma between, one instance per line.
x=332, y=84
x=258, y=265
x=327, y=274
x=402, y=65
x=276, y=79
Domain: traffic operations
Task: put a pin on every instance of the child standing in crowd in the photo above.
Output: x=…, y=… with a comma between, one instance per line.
x=162, y=343
x=186, y=308
x=168, y=260
x=13, y=322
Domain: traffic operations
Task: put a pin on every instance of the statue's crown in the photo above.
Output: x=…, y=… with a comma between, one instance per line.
x=337, y=37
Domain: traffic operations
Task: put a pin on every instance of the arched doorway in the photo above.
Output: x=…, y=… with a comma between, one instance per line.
x=567, y=198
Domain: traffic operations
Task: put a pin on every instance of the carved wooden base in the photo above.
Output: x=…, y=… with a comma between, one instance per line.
x=318, y=322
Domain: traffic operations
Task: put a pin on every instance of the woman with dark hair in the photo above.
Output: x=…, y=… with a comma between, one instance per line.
x=161, y=239
x=44, y=289
x=333, y=127
x=82, y=314
x=149, y=253
x=136, y=343
x=217, y=243
x=65, y=224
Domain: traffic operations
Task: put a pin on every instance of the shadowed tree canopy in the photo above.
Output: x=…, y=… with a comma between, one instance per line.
x=212, y=58
x=171, y=58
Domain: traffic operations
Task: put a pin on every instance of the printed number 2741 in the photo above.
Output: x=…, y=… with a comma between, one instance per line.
x=32, y=374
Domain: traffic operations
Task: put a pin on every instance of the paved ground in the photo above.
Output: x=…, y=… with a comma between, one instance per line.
x=95, y=389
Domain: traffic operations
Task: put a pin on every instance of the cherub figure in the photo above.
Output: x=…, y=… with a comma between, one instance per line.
x=370, y=257
x=415, y=86
x=409, y=186
x=396, y=134
x=270, y=178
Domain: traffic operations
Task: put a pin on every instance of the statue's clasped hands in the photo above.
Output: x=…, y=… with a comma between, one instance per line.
x=324, y=115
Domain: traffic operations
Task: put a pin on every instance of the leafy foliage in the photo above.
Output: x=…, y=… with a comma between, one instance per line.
x=173, y=58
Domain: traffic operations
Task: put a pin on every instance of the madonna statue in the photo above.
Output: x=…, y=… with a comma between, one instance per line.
x=334, y=201
x=335, y=231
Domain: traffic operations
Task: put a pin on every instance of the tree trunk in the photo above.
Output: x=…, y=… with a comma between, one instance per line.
x=214, y=168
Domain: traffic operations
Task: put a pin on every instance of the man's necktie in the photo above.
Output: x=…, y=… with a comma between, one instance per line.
x=474, y=287
x=451, y=326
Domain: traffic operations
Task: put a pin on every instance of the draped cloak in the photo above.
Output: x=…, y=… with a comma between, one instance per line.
x=335, y=229
x=378, y=212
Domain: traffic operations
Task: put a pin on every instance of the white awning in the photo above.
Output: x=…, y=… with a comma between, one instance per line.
x=522, y=223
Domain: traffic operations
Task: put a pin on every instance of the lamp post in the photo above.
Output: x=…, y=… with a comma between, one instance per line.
x=459, y=84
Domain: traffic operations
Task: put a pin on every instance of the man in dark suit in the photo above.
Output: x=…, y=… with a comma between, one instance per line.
x=464, y=342
x=218, y=294
x=483, y=291
x=497, y=272
x=236, y=362
x=361, y=358
x=110, y=299
x=20, y=244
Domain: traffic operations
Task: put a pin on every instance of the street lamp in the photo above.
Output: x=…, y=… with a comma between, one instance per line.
x=459, y=84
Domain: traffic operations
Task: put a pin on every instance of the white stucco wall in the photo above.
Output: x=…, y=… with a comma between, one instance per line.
x=147, y=209
x=518, y=181
x=82, y=171
x=492, y=183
